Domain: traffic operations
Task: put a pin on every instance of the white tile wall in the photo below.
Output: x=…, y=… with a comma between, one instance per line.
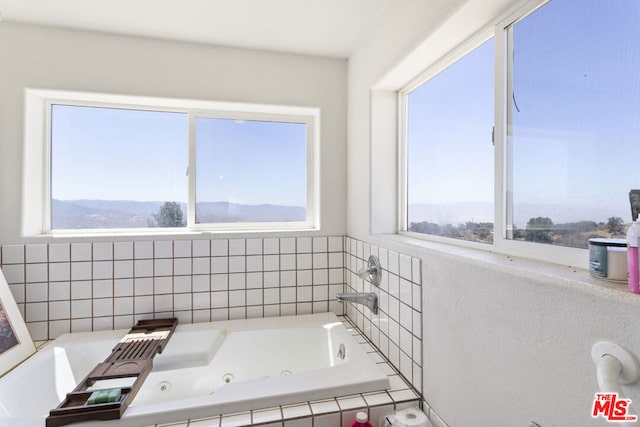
x=75, y=287
x=83, y=286
x=397, y=329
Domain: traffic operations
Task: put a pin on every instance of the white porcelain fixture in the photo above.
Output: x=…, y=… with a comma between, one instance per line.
x=206, y=369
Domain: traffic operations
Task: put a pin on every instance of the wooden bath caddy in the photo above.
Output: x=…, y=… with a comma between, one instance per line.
x=131, y=359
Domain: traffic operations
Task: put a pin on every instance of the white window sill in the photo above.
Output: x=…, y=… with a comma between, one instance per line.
x=572, y=278
x=173, y=233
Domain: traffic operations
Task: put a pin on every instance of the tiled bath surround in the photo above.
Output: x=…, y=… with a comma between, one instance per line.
x=77, y=287
x=337, y=412
x=397, y=328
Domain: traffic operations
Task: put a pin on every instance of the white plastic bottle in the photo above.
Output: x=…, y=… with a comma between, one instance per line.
x=362, y=420
x=632, y=256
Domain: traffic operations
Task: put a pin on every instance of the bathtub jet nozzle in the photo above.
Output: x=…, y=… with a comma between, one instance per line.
x=370, y=299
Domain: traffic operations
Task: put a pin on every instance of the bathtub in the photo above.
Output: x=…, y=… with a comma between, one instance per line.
x=206, y=369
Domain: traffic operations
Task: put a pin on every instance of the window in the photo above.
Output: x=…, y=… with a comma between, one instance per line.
x=564, y=107
x=449, y=150
x=117, y=166
x=573, y=121
x=270, y=185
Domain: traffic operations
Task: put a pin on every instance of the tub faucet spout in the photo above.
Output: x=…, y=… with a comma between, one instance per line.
x=370, y=299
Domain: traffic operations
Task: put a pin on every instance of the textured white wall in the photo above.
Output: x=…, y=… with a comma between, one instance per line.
x=506, y=341
x=406, y=24
x=46, y=58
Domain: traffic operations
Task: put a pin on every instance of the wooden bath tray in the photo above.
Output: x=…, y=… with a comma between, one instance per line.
x=130, y=362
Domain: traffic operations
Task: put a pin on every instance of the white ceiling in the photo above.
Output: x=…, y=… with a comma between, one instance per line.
x=331, y=28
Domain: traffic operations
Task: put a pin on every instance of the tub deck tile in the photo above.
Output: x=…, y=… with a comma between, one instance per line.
x=324, y=406
x=397, y=383
x=266, y=415
x=387, y=369
x=296, y=411
x=403, y=395
x=236, y=420
x=374, y=399
x=351, y=402
x=205, y=422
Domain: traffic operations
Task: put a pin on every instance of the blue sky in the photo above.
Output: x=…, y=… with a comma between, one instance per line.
x=575, y=134
x=251, y=162
x=114, y=154
x=576, y=86
x=577, y=131
x=453, y=108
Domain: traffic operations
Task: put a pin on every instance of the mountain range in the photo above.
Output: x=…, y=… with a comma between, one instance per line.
x=84, y=213
x=88, y=214
x=460, y=213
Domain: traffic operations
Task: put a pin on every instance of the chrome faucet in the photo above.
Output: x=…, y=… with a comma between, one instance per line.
x=370, y=299
x=372, y=272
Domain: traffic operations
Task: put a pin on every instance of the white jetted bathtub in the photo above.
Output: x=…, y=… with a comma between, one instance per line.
x=206, y=369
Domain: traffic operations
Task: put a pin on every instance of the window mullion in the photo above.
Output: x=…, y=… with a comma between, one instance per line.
x=191, y=172
x=46, y=156
x=508, y=148
x=403, y=223
x=313, y=172
x=503, y=152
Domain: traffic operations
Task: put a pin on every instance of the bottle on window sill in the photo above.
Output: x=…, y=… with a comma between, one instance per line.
x=632, y=256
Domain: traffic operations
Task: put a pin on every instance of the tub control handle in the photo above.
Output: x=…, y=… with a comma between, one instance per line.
x=372, y=272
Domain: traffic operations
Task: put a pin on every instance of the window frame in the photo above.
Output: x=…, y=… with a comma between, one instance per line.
x=309, y=121
x=430, y=72
x=500, y=29
x=37, y=212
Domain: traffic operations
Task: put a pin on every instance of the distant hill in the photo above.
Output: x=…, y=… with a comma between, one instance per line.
x=82, y=214
x=451, y=213
x=120, y=205
x=234, y=212
x=460, y=213
x=79, y=214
